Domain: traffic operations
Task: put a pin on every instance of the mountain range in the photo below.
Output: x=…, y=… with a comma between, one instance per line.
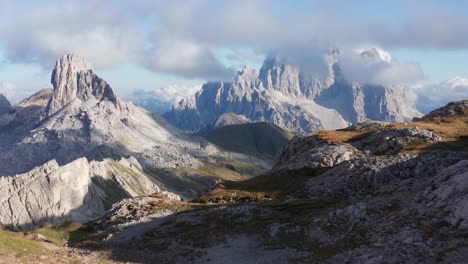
x=294, y=99
x=82, y=137
x=356, y=180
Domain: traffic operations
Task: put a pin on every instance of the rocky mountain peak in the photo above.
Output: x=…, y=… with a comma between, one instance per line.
x=247, y=74
x=5, y=105
x=73, y=78
x=377, y=55
x=276, y=74
x=452, y=109
x=297, y=97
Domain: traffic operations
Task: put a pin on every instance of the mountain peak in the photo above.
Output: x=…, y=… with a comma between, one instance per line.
x=377, y=54
x=246, y=74
x=73, y=78
x=73, y=62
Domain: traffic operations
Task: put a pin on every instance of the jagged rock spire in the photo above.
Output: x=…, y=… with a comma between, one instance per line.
x=73, y=78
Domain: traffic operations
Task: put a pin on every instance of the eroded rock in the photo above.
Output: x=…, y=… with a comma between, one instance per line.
x=311, y=152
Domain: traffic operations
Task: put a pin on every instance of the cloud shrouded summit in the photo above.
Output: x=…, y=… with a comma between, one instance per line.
x=200, y=40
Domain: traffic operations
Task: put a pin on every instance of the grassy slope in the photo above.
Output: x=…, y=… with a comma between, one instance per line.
x=454, y=131
x=26, y=247
x=260, y=139
x=269, y=191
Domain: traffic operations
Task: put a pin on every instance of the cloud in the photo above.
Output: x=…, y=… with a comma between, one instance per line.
x=41, y=34
x=159, y=100
x=272, y=24
x=432, y=96
x=243, y=56
x=12, y=92
x=189, y=60
x=374, y=71
x=183, y=37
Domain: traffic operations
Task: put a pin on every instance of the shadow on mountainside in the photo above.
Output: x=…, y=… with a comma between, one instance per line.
x=101, y=194
x=289, y=225
x=220, y=233
x=21, y=157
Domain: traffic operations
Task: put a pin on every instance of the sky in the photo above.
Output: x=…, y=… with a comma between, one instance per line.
x=167, y=49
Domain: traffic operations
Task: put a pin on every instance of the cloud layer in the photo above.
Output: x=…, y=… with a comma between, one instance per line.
x=159, y=100
x=184, y=38
x=432, y=96
x=181, y=38
x=378, y=71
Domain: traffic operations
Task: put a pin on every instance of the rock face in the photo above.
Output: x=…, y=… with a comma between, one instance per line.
x=452, y=193
x=293, y=99
x=84, y=118
x=79, y=191
x=366, y=125
x=392, y=141
x=138, y=208
x=227, y=119
x=5, y=105
x=452, y=109
x=223, y=120
x=311, y=152
x=73, y=78
x=27, y=113
x=46, y=142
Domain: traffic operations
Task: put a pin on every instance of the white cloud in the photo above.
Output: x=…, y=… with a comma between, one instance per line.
x=378, y=72
x=432, y=96
x=182, y=37
x=13, y=93
x=188, y=59
x=42, y=34
x=159, y=100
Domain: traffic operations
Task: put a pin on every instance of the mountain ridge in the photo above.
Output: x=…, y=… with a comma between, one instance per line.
x=286, y=95
x=81, y=133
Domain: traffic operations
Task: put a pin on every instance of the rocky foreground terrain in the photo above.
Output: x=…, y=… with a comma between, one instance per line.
x=371, y=193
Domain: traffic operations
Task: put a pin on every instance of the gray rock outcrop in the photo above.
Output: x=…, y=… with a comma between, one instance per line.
x=227, y=119
x=391, y=141
x=311, y=152
x=26, y=115
x=451, y=194
x=79, y=191
x=73, y=78
x=452, y=109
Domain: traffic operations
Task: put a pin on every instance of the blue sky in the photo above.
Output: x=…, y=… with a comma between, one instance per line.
x=151, y=45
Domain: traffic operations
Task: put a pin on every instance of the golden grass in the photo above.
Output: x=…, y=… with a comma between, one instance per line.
x=261, y=188
x=232, y=172
x=21, y=247
x=453, y=130
x=449, y=128
x=62, y=234
x=11, y=242
x=342, y=136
